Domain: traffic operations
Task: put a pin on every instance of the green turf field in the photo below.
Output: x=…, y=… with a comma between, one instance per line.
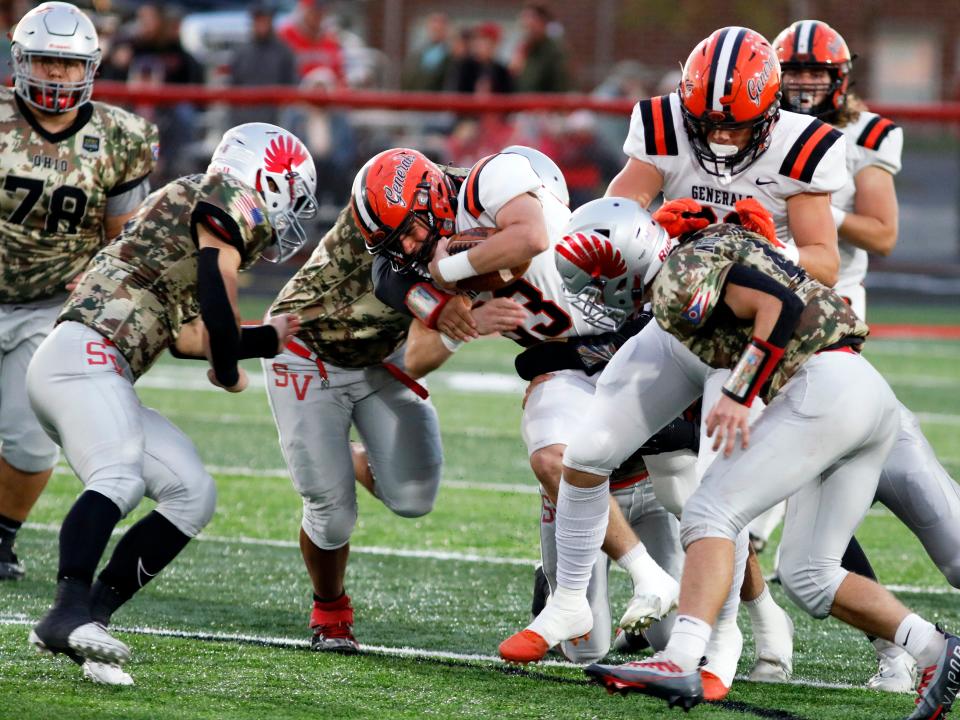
x=223, y=633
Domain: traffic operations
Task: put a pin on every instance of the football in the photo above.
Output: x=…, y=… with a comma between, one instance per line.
x=493, y=280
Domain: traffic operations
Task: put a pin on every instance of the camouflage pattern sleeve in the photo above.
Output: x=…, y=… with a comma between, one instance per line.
x=236, y=214
x=687, y=290
x=343, y=322
x=135, y=145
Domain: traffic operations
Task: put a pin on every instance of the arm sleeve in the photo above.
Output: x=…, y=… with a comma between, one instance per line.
x=218, y=316
x=391, y=287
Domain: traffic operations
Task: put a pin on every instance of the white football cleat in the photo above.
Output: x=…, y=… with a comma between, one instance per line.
x=106, y=673
x=568, y=618
x=723, y=654
x=89, y=640
x=652, y=601
x=774, y=653
x=897, y=672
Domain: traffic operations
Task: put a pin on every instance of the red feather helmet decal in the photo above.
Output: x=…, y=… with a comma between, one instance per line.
x=283, y=153
x=594, y=255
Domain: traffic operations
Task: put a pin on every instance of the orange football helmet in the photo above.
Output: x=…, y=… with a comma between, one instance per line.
x=814, y=45
x=394, y=190
x=730, y=81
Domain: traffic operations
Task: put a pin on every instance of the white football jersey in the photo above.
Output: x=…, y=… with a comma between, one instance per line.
x=804, y=155
x=492, y=183
x=871, y=140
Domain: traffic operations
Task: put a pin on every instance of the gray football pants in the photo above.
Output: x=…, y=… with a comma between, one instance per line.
x=81, y=389
x=399, y=430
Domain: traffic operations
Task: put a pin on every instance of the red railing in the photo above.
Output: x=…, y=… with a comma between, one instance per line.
x=436, y=102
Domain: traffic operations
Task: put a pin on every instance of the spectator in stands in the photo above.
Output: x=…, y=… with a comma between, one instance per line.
x=588, y=166
x=480, y=72
x=313, y=39
x=539, y=63
x=427, y=66
x=265, y=60
x=151, y=54
x=330, y=138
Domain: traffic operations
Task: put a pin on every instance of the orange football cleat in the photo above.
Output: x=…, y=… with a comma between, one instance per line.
x=713, y=688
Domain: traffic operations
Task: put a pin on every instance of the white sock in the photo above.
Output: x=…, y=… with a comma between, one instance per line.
x=639, y=564
x=688, y=641
x=921, y=639
x=764, y=611
x=581, y=525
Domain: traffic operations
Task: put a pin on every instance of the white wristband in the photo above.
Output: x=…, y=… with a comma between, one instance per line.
x=792, y=252
x=455, y=267
x=838, y=215
x=449, y=343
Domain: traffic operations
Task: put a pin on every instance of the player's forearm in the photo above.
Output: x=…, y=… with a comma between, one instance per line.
x=869, y=233
x=424, y=352
x=821, y=262
x=512, y=246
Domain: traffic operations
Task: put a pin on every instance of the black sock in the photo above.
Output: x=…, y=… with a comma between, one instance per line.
x=317, y=598
x=855, y=560
x=84, y=535
x=8, y=530
x=144, y=550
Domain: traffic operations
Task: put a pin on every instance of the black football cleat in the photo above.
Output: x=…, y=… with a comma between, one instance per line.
x=10, y=566
x=939, y=683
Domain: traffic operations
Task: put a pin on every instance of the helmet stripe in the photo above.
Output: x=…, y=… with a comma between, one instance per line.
x=805, y=35
x=361, y=204
x=714, y=65
x=734, y=52
x=724, y=61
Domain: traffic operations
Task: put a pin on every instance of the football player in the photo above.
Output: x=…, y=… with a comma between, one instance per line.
x=794, y=343
x=720, y=138
x=503, y=191
x=349, y=365
x=175, y=261
x=73, y=172
x=816, y=65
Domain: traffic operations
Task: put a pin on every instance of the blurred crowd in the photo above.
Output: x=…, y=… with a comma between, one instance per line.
x=307, y=43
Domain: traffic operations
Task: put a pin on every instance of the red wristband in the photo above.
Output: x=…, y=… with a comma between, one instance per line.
x=757, y=362
x=425, y=303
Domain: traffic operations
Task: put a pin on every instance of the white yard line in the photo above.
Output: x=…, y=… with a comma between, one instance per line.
x=19, y=619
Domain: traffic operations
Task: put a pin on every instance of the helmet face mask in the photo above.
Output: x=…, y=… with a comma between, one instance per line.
x=731, y=81
x=54, y=33
x=611, y=251
x=394, y=194
x=809, y=46
x=278, y=166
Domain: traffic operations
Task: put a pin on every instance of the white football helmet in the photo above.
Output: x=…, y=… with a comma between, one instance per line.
x=611, y=250
x=550, y=175
x=54, y=31
x=277, y=165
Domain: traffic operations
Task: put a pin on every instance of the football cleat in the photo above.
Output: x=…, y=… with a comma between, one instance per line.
x=774, y=654
x=897, y=672
x=629, y=642
x=332, y=625
x=723, y=654
x=939, y=683
x=63, y=631
x=550, y=628
x=658, y=677
x=651, y=601
x=10, y=567
x=103, y=673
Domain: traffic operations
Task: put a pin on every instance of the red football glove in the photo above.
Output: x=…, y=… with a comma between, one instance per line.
x=756, y=218
x=683, y=215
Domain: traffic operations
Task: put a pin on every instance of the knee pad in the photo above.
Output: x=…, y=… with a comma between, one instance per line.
x=674, y=478
x=951, y=572
x=409, y=494
x=31, y=452
x=191, y=506
x=810, y=587
x=702, y=518
x=328, y=527
x=596, y=451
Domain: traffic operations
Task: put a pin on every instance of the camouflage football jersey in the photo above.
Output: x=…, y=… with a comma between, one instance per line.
x=342, y=320
x=688, y=293
x=139, y=290
x=56, y=189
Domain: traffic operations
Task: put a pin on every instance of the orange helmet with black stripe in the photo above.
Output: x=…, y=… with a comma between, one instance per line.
x=395, y=190
x=730, y=81
x=812, y=45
